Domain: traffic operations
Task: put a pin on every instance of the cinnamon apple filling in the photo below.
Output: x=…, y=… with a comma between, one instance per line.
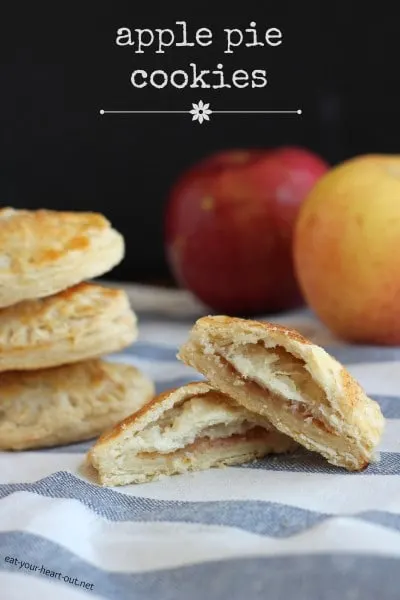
x=255, y=433
x=282, y=376
x=195, y=419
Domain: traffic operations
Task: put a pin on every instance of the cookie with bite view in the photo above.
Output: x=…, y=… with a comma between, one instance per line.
x=191, y=428
x=278, y=374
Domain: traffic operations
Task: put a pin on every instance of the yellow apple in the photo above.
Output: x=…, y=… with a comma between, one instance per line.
x=347, y=249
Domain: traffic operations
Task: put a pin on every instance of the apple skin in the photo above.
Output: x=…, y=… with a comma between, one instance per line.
x=347, y=248
x=229, y=224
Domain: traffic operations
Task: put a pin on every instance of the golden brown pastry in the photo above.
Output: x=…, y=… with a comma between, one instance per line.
x=277, y=373
x=191, y=428
x=68, y=404
x=83, y=322
x=44, y=252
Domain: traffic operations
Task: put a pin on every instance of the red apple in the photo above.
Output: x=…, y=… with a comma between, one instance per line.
x=228, y=227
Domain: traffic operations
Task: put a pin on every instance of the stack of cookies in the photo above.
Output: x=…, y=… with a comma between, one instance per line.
x=54, y=328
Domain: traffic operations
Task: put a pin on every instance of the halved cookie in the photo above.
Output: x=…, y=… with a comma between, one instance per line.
x=44, y=251
x=85, y=321
x=190, y=428
x=67, y=404
x=277, y=373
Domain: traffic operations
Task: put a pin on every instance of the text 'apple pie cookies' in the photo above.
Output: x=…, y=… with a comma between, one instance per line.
x=44, y=251
x=68, y=404
x=191, y=428
x=303, y=391
x=85, y=321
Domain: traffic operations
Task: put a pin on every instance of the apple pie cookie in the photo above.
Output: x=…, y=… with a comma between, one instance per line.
x=44, y=251
x=191, y=428
x=278, y=374
x=83, y=322
x=68, y=404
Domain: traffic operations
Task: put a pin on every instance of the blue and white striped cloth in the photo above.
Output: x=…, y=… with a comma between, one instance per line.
x=283, y=528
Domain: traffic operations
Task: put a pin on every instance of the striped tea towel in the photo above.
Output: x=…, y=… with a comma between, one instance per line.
x=280, y=529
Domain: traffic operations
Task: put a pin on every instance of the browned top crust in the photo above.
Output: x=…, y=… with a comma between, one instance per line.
x=36, y=238
x=249, y=326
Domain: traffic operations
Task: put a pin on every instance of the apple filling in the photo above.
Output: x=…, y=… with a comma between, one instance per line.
x=188, y=429
x=207, y=442
x=278, y=372
x=198, y=418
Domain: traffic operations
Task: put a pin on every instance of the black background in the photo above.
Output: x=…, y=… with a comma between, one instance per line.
x=60, y=66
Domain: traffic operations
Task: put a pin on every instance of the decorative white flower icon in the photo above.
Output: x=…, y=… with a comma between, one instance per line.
x=200, y=112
